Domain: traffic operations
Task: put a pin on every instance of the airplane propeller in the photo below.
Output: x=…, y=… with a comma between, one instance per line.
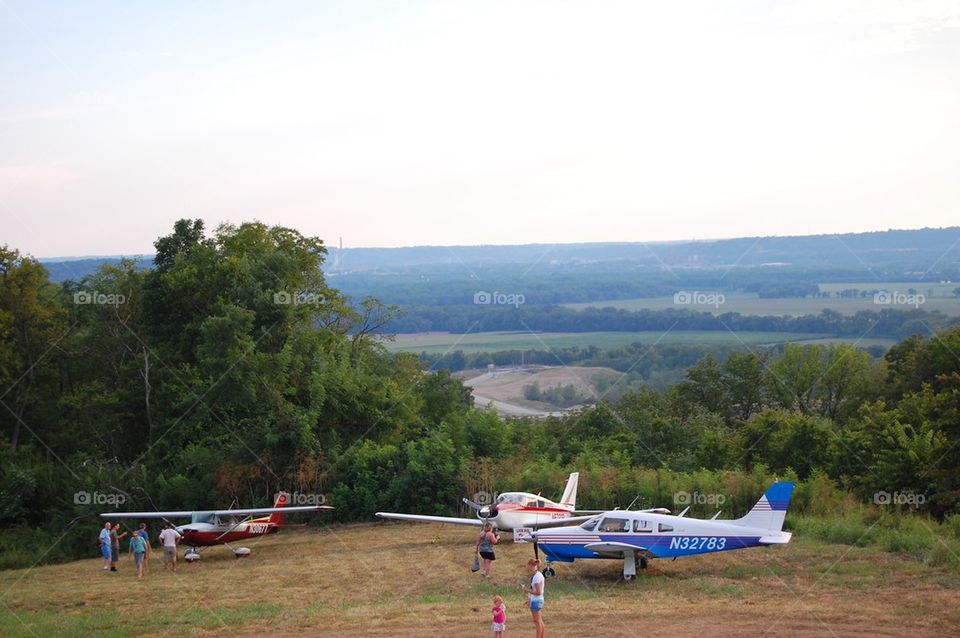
x=471, y=504
x=485, y=511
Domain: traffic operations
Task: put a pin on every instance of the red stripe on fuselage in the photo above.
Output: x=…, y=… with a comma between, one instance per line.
x=506, y=507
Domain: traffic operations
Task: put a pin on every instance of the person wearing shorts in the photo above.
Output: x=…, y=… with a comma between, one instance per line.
x=115, y=538
x=105, y=544
x=138, y=547
x=169, y=538
x=142, y=533
x=485, y=543
x=535, y=591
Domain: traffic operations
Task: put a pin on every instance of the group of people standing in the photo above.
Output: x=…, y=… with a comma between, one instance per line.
x=139, y=548
x=484, y=548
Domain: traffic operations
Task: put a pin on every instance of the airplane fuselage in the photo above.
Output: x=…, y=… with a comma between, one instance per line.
x=208, y=534
x=515, y=510
x=649, y=535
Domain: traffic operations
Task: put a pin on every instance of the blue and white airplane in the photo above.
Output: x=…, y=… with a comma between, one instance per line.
x=635, y=537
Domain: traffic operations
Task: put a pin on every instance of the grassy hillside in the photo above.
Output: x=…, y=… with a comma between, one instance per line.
x=412, y=580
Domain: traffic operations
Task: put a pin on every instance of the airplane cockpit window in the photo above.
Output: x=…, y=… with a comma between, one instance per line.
x=589, y=525
x=202, y=517
x=541, y=504
x=642, y=527
x=666, y=528
x=510, y=498
x=610, y=524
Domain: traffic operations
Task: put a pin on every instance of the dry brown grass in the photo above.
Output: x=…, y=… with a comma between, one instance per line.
x=413, y=580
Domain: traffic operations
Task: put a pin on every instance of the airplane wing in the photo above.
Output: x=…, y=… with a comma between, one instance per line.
x=431, y=519
x=246, y=512
x=146, y=514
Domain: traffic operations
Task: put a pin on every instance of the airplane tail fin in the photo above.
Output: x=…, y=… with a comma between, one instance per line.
x=770, y=510
x=570, y=491
x=283, y=498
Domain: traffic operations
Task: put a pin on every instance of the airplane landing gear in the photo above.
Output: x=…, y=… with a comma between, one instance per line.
x=548, y=572
x=631, y=564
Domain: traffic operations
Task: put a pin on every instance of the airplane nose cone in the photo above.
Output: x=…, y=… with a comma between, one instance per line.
x=488, y=511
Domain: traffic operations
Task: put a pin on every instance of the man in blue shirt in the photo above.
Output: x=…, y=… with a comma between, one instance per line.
x=105, y=546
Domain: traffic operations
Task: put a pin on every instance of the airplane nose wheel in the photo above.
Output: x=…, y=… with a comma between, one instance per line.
x=548, y=572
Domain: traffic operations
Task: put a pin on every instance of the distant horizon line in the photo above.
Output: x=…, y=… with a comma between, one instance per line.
x=331, y=247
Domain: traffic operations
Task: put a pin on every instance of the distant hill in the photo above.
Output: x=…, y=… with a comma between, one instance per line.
x=917, y=249
x=907, y=252
x=76, y=268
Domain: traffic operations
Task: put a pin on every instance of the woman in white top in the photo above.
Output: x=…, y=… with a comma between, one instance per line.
x=535, y=591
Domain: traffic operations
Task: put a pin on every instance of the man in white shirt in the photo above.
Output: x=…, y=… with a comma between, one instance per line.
x=169, y=538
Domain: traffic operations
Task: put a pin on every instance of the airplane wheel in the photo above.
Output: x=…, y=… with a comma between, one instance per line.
x=628, y=577
x=548, y=572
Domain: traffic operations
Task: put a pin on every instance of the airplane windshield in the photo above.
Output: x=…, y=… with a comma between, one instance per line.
x=589, y=525
x=202, y=517
x=510, y=498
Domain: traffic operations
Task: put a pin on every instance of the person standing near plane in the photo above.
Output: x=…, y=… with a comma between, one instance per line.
x=138, y=547
x=169, y=538
x=485, y=543
x=142, y=533
x=535, y=592
x=115, y=538
x=105, y=544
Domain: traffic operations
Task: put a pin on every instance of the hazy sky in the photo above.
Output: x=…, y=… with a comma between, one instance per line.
x=400, y=123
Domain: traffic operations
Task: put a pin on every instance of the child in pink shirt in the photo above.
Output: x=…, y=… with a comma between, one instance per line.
x=499, y=617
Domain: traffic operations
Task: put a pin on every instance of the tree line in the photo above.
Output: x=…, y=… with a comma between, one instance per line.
x=885, y=323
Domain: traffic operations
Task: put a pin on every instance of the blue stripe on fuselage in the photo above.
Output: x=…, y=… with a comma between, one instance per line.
x=659, y=546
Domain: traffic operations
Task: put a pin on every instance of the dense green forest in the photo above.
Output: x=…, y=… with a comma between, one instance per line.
x=229, y=368
x=889, y=322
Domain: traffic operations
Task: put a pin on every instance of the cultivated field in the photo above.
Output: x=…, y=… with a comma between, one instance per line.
x=442, y=342
x=747, y=304
x=504, y=388
x=409, y=580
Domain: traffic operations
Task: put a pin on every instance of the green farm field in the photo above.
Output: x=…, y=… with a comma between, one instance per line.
x=748, y=304
x=441, y=342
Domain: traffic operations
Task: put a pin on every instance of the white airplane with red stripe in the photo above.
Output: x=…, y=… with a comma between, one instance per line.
x=222, y=527
x=515, y=510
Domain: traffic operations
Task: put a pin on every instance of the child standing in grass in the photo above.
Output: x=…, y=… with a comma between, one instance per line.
x=499, y=617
